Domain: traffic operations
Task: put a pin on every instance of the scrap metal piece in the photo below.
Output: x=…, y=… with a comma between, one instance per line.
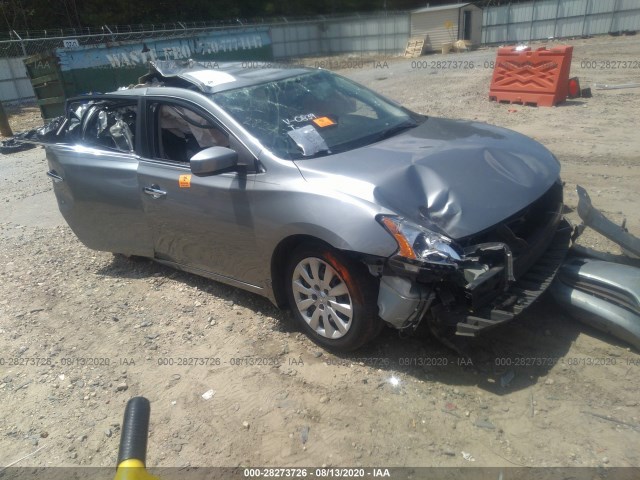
x=604, y=295
x=580, y=251
x=603, y=86
x=593, y=218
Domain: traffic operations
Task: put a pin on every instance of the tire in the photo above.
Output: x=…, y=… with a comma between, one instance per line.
x=318, y=279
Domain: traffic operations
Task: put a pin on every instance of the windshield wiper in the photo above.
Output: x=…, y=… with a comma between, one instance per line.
x=391, y=131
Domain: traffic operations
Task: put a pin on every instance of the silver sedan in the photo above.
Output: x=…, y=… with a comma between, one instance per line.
x=317, y=193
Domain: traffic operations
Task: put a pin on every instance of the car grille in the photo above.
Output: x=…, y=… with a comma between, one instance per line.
x=523, y=292
x=521, y=229
x=539, y=239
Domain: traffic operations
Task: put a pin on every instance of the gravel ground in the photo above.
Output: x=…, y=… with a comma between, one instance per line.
x=82, y=331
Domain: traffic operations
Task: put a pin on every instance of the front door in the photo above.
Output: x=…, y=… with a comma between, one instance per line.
x=201, y=223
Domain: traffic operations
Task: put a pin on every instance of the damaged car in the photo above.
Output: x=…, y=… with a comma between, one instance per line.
x=323, y=196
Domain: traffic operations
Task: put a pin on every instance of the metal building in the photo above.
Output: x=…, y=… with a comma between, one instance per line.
x=447, y=24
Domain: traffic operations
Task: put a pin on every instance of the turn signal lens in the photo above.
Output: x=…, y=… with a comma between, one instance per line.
x=405, y=247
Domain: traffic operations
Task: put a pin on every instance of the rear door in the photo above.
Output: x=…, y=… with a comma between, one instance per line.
x=202, y=223
x=94, y=167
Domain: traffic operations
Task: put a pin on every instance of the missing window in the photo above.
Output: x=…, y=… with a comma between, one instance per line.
x=111, y=127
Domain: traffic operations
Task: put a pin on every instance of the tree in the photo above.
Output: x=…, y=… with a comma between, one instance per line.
x=47, y=14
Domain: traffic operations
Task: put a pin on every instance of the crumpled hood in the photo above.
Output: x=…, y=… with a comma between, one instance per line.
x=456, y=177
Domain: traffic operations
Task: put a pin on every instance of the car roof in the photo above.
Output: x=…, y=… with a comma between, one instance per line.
x=213, y=77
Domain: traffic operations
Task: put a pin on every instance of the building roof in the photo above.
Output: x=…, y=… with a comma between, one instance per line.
x=451, y=6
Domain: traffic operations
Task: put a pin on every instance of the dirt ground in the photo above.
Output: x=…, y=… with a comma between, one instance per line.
x=81, y=331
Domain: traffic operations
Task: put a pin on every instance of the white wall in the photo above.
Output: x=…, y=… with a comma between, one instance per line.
x=558, y=18
x=14, y=83
x=432, y=25
x=385, y=34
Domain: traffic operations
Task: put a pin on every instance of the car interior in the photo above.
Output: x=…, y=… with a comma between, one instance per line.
x=111, y=126
x=182, y=133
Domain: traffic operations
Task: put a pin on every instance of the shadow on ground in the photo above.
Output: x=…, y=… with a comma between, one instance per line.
x=509, y=358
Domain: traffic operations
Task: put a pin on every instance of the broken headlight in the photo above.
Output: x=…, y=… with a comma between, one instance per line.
x=418, y=243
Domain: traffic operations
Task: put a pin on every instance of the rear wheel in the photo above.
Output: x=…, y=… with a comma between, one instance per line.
x=333, y=298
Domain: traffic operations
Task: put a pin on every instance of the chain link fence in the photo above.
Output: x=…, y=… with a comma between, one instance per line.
x=27, y=43
x=24, y=44
x=289, y=38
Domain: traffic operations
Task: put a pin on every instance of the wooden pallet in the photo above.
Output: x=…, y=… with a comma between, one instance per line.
x=415, y=46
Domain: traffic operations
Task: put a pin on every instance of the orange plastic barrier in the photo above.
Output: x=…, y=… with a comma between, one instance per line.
x=538, y=77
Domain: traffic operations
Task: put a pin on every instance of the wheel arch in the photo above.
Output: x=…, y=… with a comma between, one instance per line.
x=279, y=263
x=364, y=247
x=280, y=257
x=363, y=323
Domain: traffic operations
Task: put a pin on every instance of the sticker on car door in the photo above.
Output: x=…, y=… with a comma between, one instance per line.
x=184, y=181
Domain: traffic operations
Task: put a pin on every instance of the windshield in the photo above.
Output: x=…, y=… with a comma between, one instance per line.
x=314, y=114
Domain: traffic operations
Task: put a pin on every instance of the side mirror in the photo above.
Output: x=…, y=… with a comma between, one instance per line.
x=213, y=160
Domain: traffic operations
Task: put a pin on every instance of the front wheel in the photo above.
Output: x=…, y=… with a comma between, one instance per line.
x=333, y=298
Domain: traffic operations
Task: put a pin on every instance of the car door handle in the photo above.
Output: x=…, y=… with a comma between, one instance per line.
x=54, y=175
x=154, y=191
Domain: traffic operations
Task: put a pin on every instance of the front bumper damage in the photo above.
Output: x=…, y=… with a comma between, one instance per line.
x=487, y=311
x=402, y=302
x=602, y=289
x=495, y=281
x=604, y=295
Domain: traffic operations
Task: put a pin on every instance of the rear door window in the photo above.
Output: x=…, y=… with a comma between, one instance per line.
x=110, y=126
